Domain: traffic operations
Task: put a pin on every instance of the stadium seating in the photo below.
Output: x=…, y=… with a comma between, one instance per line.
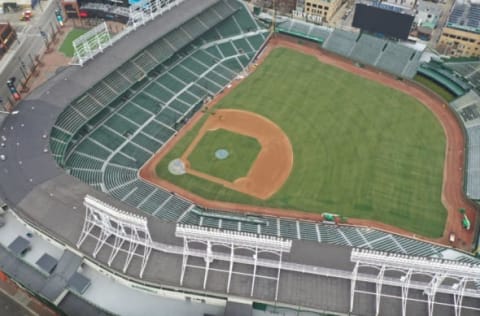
x=74, y=117
x=467, y=69
x=341, y=42
x=389, y=56
x=368, y=49
x=467, y=99
x=473, y=162
x=399, y=60
x=468, y=110
x=444, y=77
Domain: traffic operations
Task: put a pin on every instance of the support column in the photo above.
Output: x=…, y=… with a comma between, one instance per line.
x=208, y=259
x=352, y=285
x=378, y=290
x=458, y=297
x=146, y=255
x=87, y=227
x=104, y=234
x=184, y=260
x=117, y=245
x=432, y=290
x=405, y=287
x=232, y=254
x=131, y=252
x=255, y=259
x=278, y=275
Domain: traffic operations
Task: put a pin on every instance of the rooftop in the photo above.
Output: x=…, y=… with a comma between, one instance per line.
x=465, y=16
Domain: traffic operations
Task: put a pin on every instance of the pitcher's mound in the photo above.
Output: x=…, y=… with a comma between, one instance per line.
x=221, y=154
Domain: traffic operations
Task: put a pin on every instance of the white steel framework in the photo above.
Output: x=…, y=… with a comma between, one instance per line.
x=437, y=270
x=231, y=240
x=129, y=232
x=91, y=43
x=146, y=10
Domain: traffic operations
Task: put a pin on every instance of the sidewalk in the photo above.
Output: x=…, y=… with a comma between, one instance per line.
x=16, y=301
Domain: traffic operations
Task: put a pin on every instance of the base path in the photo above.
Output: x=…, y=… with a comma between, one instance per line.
x=453, y=197
x=273, y=164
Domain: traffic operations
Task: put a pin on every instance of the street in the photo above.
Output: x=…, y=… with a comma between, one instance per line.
x=19, y=60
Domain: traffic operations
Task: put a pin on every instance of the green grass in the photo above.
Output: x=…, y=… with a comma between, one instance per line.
x=243, y=151
x=435, y=87
x=360, y=149
x=67, y=45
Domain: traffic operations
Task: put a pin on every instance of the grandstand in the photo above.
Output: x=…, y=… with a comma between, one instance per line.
x=445, y=77
x=303, y=29
x=387, y=55
x=470, y=70
x=468, y=109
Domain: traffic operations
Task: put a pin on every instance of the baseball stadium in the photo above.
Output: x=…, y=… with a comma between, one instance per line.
x=250, y=163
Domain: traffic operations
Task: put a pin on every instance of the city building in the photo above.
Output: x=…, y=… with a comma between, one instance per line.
x=322, y=8
x=461, y=35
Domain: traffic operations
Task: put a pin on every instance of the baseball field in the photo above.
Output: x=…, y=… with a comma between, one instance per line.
x=360, y=149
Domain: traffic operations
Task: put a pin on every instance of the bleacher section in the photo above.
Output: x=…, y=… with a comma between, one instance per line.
x=468, y=110
x=470, y=70
x=303, y=29
x=341, y=42
x=399, y=59
x=444, y=77
x=119, y=123
x=367, y=49
x=328, y=233
x=389, y=56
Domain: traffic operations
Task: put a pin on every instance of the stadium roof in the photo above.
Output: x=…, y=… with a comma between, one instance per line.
x=465, y=16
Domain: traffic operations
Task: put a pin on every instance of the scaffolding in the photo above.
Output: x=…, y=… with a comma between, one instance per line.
x=91, y=43
x=233, y=241
x=146, y=10
x=461, y=277
x=123, y=232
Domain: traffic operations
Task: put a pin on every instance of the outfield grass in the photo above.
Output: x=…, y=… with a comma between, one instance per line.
x=360, y=149
x=243, y=151
x=435, y=87
x=67, y=45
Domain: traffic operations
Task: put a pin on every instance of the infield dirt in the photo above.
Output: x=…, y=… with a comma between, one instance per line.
x=273, y=164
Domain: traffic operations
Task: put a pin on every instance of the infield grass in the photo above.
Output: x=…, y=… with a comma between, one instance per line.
x=360, y=149
x=243, y=151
